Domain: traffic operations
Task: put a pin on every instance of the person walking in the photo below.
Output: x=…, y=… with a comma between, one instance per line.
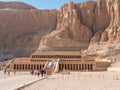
x=5, y=71
x=38, y=73
x=8, y=72
x=42, y=72
x=14, y=72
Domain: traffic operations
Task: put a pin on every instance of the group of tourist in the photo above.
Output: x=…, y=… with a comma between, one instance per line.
x=7, y=71
x=33, y=72
x=38, y=72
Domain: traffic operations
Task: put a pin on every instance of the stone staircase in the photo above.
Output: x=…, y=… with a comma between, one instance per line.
x=54, y=65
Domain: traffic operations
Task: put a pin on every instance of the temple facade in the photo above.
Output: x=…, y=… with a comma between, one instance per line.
x=68, y=60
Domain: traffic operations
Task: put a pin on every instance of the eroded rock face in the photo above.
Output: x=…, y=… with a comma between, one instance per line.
x=74, y=26
x=77, y=24
x=104, y=37
x=109, y=41
x=21, y=30
x=111, y=33
x=114, y=27
x=70, y=32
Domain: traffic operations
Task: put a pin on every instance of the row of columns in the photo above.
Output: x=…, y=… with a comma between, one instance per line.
x=54, y=56
x=76, y=67
x=28, y=66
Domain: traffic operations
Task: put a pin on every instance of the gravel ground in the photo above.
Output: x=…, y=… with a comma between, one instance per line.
x=14, y=81
x=79, y=81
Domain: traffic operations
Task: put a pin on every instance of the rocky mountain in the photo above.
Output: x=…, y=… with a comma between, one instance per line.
x=15, y=5
x=21, y=29
x=106, y=45
x=92, y=25
x=110, y=37
x=77, y=24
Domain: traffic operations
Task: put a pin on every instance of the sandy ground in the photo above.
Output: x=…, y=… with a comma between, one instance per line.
x=79, y=81
x=16, y=80
x=72, y=81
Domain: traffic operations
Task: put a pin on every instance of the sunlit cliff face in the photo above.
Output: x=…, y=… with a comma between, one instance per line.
x=74, y=26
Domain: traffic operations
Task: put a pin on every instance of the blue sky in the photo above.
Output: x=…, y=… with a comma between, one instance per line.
x=45, y=4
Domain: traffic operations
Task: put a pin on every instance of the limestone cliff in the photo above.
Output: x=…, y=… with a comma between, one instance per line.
x=73, y=27
x=21, y=30
x=70, y=32
x=76, y=25
x=106, y=44
x=112, y=32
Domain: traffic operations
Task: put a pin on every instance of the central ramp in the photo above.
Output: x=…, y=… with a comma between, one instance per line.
x=53, y=65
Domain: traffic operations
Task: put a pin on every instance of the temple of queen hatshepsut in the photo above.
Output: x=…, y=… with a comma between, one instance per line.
x=68, y=60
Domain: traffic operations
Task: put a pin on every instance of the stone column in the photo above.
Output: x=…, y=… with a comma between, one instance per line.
x=92, y=66
x=74, y=67
x=31, y=66
x=23, y=67
x=34, y=66
x=78, y=67
x=81, y=67
x=88, y=67
x=26, y=67
x=67, y=66
x=18, y=66
x=59, y=67
x=38, y=66
x=63, y=66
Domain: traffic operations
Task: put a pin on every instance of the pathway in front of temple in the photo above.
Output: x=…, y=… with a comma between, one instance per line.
x=14, y=81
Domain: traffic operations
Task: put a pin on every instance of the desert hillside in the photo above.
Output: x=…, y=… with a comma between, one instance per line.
x=77, y=24
x=106, y=45
x=22, y=27
x=15, y=5
x=94, y=26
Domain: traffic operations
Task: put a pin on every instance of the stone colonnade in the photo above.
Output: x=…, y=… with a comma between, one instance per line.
x=68, y=61
x=72, y=67
x=28, y=66
x=76, y=67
